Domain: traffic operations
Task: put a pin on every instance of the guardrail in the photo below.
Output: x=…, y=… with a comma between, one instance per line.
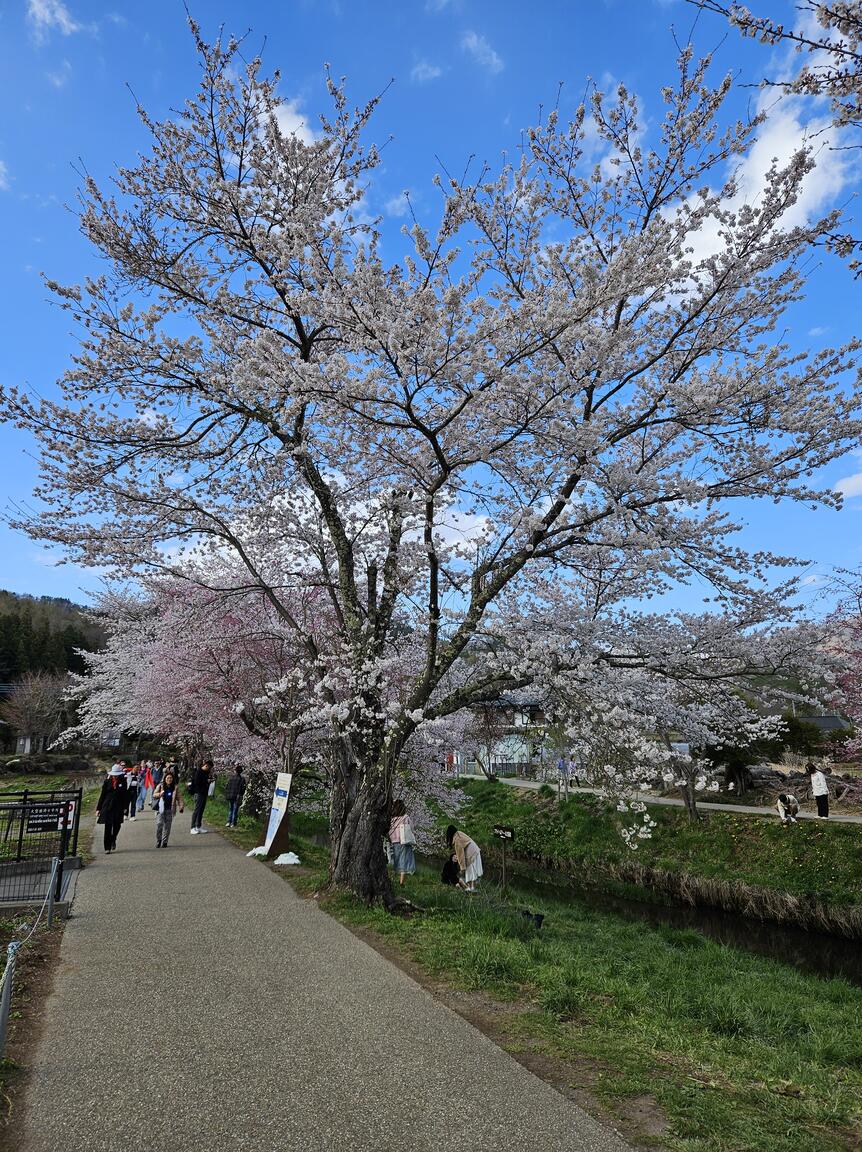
x=37, y=827
x=15, y=947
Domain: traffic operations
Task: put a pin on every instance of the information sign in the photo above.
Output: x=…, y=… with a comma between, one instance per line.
x=45, y=817
x=279, y=806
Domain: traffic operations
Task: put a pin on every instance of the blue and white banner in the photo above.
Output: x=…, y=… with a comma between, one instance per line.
x=279, y=806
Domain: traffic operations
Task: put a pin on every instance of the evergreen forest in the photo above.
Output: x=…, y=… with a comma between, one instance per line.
x=42, y=634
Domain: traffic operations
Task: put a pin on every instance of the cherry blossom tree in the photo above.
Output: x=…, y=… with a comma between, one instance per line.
x=560, y=394
x=827, y=37
x=845, y=643
x=213, y=672
x=36, y=707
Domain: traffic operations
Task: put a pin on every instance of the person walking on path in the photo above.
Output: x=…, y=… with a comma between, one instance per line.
x=133, y=784
x=469, y=857
x=402, y=839
x=234, y=791
x=167, y=798
x=819, y=790
x=145, y=784
x=112, y=805
x=200, y=789
x=788, y=807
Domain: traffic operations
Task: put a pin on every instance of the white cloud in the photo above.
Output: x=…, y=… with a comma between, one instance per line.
x=291, y=122
x=4, y=177
x=459, y=528
x=817, y=330
x=437, y=5
x=781, y=135
x=398, y=205
x=59, y=78
x=424, y=72
x=482, y=52
x=779, y=138
x=850, y=485
x=46, y=15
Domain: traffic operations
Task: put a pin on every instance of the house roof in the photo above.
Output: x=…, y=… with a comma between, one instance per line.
x=826, y=723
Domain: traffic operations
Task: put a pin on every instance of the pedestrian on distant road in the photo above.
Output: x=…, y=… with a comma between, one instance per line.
x=234, y=791
x=167, y=798
x=402, y=839
x=200, y=789
x=788, y=807
x=819, y=790
x=563, y=776
x=469, y=857
x=112, y=805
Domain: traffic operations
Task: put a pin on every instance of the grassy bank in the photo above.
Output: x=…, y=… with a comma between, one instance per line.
x=33, y=976
x=725, y=1050
x=812, y=861
x=689, y=1045
x=720, y=1050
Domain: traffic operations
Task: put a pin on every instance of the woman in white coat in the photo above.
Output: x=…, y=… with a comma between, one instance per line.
x=819, y=790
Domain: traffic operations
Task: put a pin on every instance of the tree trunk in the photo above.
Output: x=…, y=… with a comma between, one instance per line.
x=740, y=777
x=690, y=797
x=360, y=821
x=281, y=839
x=489, y=774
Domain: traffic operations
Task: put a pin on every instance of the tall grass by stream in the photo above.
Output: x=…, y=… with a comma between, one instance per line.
x=808, y=875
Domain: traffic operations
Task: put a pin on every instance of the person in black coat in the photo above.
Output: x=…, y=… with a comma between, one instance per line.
x=200, y=789
x=112, y=805
x=234, y=791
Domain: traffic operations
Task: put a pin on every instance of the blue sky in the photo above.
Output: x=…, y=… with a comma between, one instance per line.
x=468, y=76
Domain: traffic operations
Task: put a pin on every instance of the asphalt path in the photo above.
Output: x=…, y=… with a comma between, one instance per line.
x=670, y=802
x=201, y=1004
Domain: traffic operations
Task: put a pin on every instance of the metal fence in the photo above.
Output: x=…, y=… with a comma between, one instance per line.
x=36, y=827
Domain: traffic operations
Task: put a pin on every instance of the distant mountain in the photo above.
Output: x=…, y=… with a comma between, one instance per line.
x=41, y=633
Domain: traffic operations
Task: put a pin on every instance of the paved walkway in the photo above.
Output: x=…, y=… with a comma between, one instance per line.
x=669, y=801
x=200, y=1004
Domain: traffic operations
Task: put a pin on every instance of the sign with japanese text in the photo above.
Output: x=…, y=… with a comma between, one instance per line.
x=279, y=806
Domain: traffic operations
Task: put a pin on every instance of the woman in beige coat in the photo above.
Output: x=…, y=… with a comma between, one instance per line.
x=468, y=855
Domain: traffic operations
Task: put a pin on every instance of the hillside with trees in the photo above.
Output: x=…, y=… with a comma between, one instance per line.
x=42, y=634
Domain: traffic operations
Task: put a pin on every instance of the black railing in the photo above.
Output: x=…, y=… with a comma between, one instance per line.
x=36, y=826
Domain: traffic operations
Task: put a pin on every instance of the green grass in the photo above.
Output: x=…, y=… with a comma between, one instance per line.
x=248, y=834
x=33, y=783
x=581, y=836
x=739, y=1053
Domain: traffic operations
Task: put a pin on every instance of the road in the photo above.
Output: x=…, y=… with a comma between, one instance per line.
x=201, y=1004
x=669, y=801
